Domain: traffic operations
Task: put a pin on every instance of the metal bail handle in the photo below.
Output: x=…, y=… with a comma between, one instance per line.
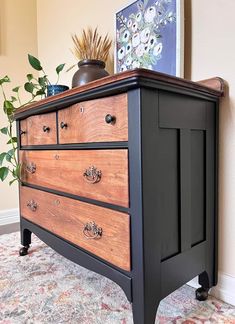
x=31, y=168
x=92, y=175
x=92, y=231
x=32, y=205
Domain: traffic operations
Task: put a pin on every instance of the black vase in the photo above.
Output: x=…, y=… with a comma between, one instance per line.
x=89, y=70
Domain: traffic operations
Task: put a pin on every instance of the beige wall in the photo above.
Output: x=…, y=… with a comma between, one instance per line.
x=18, y=36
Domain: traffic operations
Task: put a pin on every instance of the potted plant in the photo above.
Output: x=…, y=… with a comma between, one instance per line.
x=92, y=51
x=42, y=84
x=38, y=88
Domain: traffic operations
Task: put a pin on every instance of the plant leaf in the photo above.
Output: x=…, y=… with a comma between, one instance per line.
x=12, y=181
x=29, y=87
x=12, y=140
x=16, y=89
x=3, y=173
x=4, y=130
x=29, y=77
x=60, y=68
x=34, y=62
x=13, y=99
x=2, y=157
x=5, y=79
x=9, y=155
x=40, y=92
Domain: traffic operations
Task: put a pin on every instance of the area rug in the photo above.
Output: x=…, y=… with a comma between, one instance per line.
x=44, y=287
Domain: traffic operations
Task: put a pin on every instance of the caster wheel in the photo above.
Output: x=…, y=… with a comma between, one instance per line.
x=202, y=294
x=23, y=251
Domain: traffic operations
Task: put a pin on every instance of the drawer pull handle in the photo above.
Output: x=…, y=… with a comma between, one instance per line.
x=92, y=231
x=110, y=119
x=31, y=168
x=63, y=125
x=92, y=175
x=46, y=129
x=22, y=132
x=32, y=205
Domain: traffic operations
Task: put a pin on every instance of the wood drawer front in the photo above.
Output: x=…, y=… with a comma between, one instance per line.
x=39, y=130
x=64, y=171
x=85, y=121
x=67, y=217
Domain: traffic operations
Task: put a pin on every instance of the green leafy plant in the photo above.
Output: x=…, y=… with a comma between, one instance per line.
x=38, y=86
x=9, y=165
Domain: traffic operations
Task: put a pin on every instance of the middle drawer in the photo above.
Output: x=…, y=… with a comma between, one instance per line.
x=97, y=174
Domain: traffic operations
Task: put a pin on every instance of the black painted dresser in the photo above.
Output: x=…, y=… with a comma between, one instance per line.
x=120, y=177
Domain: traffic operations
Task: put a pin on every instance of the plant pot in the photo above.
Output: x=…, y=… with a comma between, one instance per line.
x=54, y=89
x=89, y=70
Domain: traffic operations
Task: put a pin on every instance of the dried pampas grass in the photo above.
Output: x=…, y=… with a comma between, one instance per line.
x=91, y=45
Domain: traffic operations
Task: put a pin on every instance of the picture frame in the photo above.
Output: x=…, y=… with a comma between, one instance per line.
x=150, y=34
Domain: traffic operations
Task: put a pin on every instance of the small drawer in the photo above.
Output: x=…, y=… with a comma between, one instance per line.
x=99, y=120
x=38, y=130
x=101, y=231
x=97, y=174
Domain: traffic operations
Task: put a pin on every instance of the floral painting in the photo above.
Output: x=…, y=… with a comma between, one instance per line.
x=146, y=36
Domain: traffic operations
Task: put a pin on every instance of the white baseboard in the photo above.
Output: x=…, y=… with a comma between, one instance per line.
x=225, y=289
x=9, y=216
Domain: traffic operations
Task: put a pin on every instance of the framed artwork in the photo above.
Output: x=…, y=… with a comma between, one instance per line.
x=150, y=34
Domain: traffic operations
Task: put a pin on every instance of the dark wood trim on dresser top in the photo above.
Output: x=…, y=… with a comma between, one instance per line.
x=120, y=83
x=159, y=266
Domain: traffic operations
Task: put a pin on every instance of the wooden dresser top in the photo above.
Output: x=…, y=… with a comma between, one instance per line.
x=120, y=82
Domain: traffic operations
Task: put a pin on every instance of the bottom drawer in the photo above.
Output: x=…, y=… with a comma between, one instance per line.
x=101, y=231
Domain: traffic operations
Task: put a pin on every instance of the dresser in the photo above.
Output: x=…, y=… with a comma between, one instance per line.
x=120, y=177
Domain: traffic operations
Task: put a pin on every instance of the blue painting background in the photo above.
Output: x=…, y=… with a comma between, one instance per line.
x=167, y=62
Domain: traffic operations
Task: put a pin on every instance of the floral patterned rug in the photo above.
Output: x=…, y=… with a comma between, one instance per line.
x=44, y=287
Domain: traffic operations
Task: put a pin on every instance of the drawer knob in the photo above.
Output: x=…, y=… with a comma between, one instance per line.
x=92, y=175
x=32, y=205
x=92, y=231
x=31, y=168
x=110, y=119
x=22, y=132
x=46, y=129
x=63, y=125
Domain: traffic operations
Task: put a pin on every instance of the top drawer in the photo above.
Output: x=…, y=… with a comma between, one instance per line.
x=38, y=130
x=99, y=120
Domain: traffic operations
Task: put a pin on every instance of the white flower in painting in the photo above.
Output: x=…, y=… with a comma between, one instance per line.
x=134, y=27
x=157, y=49
x=128, y=61
x=135, y=39
x=125, y=36
x=144, y=35
x=140, y=50
x=138, y=16
x=150, y=14
x=129, y=23
x=135, y=64
x=128, y=48
x=123, y=68
x=152, y=41
x=150, y=67
x=121, y=53
x=146, y=48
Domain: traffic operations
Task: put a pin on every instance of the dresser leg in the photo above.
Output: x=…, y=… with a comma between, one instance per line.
x=144, y=314
x=25, y=241
x=204, y=281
